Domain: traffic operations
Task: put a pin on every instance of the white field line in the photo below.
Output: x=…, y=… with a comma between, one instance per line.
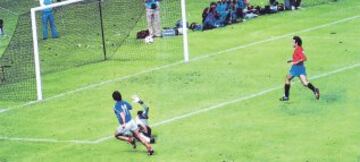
x=181, y=63
x=45, y=140
x=176, y=118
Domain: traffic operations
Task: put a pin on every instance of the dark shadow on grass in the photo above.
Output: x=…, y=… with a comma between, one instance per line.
x=310, y=106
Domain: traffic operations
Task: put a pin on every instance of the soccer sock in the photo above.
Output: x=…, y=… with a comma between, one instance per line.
x=311, y=87
x=287, y=90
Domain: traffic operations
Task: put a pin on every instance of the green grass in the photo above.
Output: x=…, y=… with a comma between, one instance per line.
x=258, y=129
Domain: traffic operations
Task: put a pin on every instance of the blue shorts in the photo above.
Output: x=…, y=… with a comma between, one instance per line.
x=297, y=70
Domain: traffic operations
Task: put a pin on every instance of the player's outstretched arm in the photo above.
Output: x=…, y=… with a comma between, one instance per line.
x=137, y=99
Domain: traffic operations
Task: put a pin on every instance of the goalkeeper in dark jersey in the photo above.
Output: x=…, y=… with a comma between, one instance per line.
x=142, y=120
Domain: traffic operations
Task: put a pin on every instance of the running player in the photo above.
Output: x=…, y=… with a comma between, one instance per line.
x=298, y=70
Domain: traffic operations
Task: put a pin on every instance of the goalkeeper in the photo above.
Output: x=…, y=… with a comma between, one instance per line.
x=48, y=18
x=142, y=120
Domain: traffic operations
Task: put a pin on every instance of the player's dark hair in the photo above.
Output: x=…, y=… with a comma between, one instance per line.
x=116, y=96
x=297, y=40
x=139, y=112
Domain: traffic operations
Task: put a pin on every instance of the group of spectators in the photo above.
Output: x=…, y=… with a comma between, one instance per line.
x=226, y=12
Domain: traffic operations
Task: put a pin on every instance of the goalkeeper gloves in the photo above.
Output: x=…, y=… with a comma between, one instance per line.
x=137, y=99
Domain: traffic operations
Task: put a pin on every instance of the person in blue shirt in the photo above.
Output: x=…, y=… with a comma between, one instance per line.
x=222, y=10
x=211, y=20
x=48, y=18
x=240, y=6
x=153, y=17
x=127, y=129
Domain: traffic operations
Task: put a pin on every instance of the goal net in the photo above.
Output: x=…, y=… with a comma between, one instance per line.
x=89, y=32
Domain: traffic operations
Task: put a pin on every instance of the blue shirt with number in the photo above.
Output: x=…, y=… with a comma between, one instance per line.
x=122, y=107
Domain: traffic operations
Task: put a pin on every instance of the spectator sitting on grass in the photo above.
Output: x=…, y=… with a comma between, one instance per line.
x=221, y=9
x=251, y=12
x=232, y=16
x=204, y=14
x=240, y=6
x=212, y=20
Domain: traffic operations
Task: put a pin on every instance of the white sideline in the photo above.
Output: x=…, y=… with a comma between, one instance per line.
x=44, y=140
x=179, y=63
x=176, y=118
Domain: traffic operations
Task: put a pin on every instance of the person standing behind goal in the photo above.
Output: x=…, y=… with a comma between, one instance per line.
x=48, y=18
x=153, y=17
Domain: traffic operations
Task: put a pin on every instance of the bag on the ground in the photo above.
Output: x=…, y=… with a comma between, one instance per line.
x=142, y=34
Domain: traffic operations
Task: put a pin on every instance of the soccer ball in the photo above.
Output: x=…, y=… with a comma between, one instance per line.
x=148, y=40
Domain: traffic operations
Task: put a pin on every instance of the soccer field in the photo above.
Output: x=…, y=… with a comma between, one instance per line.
x=221, y=107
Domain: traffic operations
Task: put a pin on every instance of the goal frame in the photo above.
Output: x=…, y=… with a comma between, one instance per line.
x=33, y=11
x=39, y=92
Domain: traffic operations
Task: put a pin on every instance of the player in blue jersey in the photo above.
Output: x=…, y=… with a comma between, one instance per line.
x=127, y=129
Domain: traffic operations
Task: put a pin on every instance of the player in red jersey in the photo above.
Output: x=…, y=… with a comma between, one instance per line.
x=298, y=70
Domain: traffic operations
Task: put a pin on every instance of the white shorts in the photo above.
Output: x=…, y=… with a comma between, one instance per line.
x=130, y=127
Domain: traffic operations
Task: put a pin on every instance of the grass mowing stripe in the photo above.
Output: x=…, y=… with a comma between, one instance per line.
x=176, y=118
x=181, y=62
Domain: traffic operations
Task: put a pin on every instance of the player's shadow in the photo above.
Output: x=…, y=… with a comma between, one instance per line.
x=136, y=151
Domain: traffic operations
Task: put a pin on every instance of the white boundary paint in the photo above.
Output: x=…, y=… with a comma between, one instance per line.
x=180, y=63
x=184, y=116
x=45, y=140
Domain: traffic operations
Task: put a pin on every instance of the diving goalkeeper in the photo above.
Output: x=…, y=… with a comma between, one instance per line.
x=142, y=120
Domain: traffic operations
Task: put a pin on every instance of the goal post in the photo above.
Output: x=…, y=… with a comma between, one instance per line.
x=185, y=31
x=33, y=11
x=100, y=43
